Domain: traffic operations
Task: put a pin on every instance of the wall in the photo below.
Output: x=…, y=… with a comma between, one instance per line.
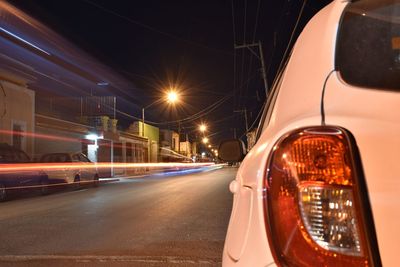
x=169, y=138
x=17, y=109
x=152, y=134
x=133, y=152
x=186, y=148
x=175, y=141
x=55, y=135
x=63, y=141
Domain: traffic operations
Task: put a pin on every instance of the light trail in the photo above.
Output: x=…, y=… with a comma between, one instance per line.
x=41, y=136
x=49, y=185
x=189, y=169
x=23, y=40
x=54, y=138
x=23, y=167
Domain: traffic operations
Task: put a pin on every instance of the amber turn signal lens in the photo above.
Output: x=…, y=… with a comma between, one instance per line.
x=312, y=204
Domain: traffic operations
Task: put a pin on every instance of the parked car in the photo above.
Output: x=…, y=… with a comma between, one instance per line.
x=321, y=186
x=13, y=182
x=83, y=170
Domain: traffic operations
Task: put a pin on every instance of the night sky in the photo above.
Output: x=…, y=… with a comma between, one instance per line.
x=187, y=44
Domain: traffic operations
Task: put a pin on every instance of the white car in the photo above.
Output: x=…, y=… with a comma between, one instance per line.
x=77, y=169
x=321, y=187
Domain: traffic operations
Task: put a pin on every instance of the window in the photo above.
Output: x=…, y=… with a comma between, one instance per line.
x=7, y=156
x=75, y=157
x=45, y=158
x=22, y=157
x=118, y=152
x=129, y=152
x=368, y=49
x=60, y=158
x=83, y=158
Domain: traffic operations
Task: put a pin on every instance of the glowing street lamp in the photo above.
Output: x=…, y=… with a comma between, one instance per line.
x=202, y=127
x=205, y=140
x=171, y=96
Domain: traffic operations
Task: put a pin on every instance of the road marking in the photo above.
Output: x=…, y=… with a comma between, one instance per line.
x=91, y=258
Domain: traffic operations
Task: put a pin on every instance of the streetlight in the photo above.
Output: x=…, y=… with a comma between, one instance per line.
x=171, y=96
x=205, y=140
x=202, y=127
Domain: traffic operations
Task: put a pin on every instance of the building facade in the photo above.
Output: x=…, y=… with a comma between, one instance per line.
x=17, y=109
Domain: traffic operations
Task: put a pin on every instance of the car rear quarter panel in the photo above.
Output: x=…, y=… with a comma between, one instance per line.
x=372, y=116
x=297, y=105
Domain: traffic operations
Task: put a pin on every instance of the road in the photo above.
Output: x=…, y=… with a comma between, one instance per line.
x=151, y=221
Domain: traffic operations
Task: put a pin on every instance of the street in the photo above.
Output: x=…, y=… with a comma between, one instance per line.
x=151, y=221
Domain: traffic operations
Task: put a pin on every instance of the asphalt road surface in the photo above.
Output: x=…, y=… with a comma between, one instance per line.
x=152, y=221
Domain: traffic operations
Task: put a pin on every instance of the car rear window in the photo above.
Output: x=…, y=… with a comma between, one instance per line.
x=368, y=49
x=22, y=157
x=13, y=156
x=7, y=156
x=59, y=157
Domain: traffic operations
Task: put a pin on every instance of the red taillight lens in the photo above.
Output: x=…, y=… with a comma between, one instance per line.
x=313, y=203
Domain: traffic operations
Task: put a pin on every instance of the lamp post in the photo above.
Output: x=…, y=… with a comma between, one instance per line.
x=171, y=97
x=202, y=128
x=151, y=104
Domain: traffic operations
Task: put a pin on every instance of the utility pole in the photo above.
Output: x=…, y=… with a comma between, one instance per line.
x=245, y=118
x=260, y=57
x=179, y=137
x=143, y=122
x=187, y=144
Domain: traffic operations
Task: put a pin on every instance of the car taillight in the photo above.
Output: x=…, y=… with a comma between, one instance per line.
x=315, y=210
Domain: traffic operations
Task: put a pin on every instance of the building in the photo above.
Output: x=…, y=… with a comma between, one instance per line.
x=152, y=134
x=48, y=99
x=17, y=108
x=169, y=149
x=101, y=143
x=186, y=149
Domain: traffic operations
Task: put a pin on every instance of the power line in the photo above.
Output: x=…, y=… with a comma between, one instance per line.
x=254, y=122
x=241, y=92
x=204, y=111
x=253, y=40
x=154, y=29
x=258, y=115
x=225, y=118
x=195, y=116
x=234, y=51
x=292, y=34
x=275, y=34
x=256, y=23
